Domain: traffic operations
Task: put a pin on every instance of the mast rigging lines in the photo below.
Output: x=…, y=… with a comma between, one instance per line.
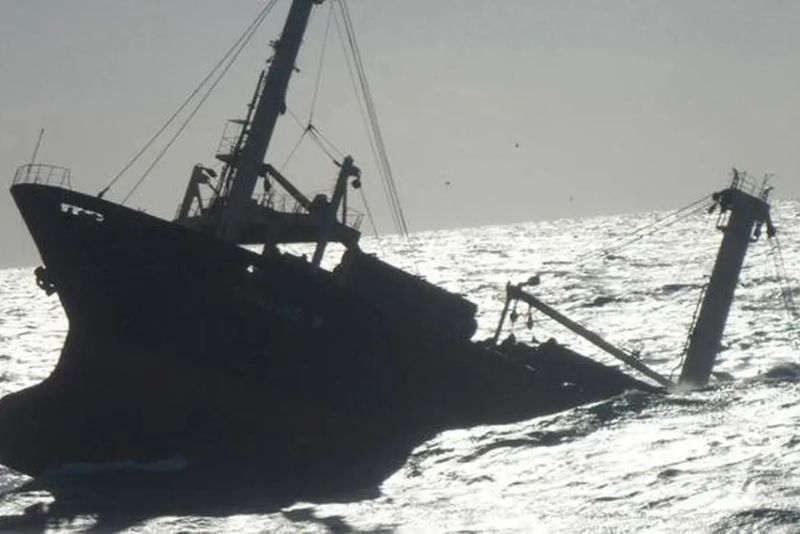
x=230, y=57
x=342, y=19
x=367, y=108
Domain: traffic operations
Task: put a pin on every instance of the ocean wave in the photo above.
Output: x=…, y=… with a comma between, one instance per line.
x=759, y=520
x=634, y=462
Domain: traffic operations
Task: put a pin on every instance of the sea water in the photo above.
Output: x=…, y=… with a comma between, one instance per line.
x=722, y=459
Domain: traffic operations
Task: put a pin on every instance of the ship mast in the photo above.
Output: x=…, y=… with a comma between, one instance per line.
x=271, y=105
x=748, y=210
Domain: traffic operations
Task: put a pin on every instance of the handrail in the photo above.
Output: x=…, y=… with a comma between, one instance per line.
x=354, y=219
x=41, y=173
x=749, y=184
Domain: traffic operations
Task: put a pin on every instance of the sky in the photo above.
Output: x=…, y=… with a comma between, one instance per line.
x=493, y=111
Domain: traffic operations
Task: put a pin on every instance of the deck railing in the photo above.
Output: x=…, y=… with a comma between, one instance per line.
x=751, y=185
x=354, y=219
x=40, y=173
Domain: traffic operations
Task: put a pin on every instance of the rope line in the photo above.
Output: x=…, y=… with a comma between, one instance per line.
x=369, y=214
x=784, y=280
x=330, y=144
x=789, y=305
x=313, y=132
x=325, y=144
x=384, y=165
x=248, y=31
x=242, y=44
x=362, y=112
x=645, y=231
x=294, y=149
x=691, y=330
x=294, y=116
x=321, y=63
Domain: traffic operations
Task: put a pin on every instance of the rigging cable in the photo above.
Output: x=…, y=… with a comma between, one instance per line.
x=324, y=144
x=317, y=132
x=364, y=119
x=248, y=31
x=363, y=114
x=369, y=215
x=373, y=148
x=294, y=149
x=242, y=44
x=639, y=234
x=691, y=330
x=384, y=165
x=789, y=306
x=322, y=141
x=314, y=133
x=321, y=63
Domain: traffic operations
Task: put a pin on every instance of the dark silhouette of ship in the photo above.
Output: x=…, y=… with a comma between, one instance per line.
x=263, y=366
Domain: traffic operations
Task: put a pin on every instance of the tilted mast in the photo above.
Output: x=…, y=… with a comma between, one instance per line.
x=744, y=211
x=748, y=211
x=271, y=105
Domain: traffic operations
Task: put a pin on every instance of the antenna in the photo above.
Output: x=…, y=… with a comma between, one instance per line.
x=38, y=144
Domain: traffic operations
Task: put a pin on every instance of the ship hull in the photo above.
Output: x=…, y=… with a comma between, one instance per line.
x=181, y=345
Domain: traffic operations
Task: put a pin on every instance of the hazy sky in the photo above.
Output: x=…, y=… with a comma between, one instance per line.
x=529, y=109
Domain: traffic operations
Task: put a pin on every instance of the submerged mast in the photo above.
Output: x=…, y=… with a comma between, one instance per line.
x=271, y=105
x=748, y=212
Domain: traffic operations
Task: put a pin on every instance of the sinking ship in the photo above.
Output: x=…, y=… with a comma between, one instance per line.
x=247, y=361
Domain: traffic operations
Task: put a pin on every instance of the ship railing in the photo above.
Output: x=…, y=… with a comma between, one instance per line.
x=354, y=219
x=278, y=202
x=747, y=184
x=298, y=207
x=40, y=173
x=287, y=204
x=230, y=138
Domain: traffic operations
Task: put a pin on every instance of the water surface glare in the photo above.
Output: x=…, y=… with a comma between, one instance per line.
x=723, y=459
